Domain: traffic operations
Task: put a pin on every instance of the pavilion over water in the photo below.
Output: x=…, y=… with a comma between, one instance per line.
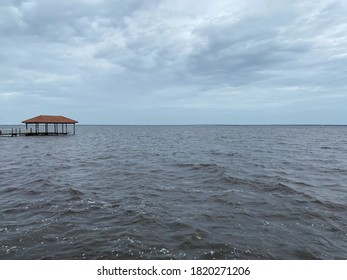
x=59, y=123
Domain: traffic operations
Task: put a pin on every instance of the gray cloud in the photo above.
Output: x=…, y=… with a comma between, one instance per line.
x=174, y=61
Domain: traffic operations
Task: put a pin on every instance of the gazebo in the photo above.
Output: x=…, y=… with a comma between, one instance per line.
x=45, y=120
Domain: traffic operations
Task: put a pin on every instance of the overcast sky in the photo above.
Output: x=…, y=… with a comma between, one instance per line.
x=174, y=61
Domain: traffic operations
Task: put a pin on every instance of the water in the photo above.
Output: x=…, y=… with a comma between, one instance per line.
x=175, y=192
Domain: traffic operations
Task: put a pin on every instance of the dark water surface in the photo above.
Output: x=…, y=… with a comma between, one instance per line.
x=175, y=192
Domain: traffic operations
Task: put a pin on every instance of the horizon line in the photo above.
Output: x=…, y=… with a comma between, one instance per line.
x=198, y=124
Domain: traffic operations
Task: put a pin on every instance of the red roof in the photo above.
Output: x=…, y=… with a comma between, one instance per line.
x=49, y=119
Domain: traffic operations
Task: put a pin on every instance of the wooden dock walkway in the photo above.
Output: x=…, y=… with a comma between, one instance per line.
x=14, y=132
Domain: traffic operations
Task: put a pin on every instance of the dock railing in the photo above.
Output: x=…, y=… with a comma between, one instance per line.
x=29, y=132
x=14, y=132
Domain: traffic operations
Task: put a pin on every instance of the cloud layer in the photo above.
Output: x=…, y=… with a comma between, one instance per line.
x=168, y=62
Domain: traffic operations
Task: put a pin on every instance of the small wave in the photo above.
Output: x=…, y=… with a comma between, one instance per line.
x=234, y=180
x=34, y=192
x=38, y=183
x=303, y=255
x=336, y=207
x=281, y=189
x=13, y=210
x=210, y=167
x=10, y=189
x=75, y=192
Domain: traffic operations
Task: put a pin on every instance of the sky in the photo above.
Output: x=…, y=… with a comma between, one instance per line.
x=174, y=61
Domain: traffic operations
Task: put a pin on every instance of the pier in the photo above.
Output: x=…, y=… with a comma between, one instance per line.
x=14, y=132
x=43, y=125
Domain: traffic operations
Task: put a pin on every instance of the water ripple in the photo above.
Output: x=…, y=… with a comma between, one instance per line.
x=175, y=192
